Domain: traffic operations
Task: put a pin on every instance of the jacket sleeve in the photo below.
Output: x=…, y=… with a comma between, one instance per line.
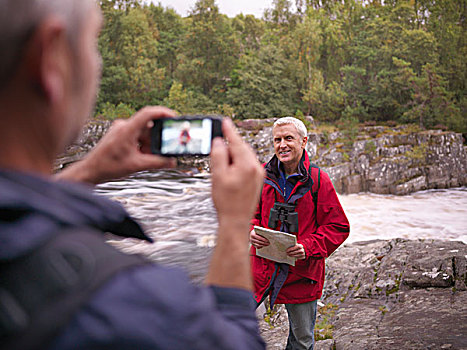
x=156, y=307
x=256, y=217
x=333, y=226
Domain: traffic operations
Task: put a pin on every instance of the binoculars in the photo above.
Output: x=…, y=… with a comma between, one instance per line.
x=285, y=213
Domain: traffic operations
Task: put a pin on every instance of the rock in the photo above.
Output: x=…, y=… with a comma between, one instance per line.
x=398, y=294
x=91, y=134
x=350, y=336
x=392, y=161
x=274, y=329
x=310, y=119
x=327, y=344
x=250, y=124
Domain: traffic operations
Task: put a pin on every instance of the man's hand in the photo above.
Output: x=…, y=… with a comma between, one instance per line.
x=258, y=241
x=237, y=178
x=125, y=149
x=297, y=251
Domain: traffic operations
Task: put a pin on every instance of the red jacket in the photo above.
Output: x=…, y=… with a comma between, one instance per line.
x=305, y=280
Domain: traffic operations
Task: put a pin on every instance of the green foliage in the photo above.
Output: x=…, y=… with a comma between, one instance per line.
x=179, y=99
x=370, y=147
x=271, y=314
x=418, y=153
x=208, y=51
x=349, y=128
x=170, y=30
x=383, y=309
x=299, y=115
x=130, y=73
x=262, y=88
x=431, y=102
x=400, y=61
x=121, y=111
x=248, y=31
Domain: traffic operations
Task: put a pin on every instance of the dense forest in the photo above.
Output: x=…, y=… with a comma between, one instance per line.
x=340, y=61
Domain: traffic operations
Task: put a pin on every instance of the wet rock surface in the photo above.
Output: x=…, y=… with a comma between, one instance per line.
x=398, y=294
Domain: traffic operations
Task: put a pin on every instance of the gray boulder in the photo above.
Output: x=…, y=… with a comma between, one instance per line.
x=398, y=294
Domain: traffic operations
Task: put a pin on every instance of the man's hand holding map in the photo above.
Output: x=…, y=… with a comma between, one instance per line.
x=279, y=242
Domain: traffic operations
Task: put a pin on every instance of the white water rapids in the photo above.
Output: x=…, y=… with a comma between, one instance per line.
x=177, y=212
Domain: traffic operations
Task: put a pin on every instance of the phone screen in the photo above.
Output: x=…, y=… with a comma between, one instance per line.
x=186, y=136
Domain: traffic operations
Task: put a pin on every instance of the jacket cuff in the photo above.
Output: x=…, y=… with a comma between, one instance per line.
x=234, y=297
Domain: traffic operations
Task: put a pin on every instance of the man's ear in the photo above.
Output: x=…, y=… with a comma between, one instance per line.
x=305, y=140
x=49, y=59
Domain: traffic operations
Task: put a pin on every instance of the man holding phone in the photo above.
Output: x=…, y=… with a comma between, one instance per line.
x=48, y=72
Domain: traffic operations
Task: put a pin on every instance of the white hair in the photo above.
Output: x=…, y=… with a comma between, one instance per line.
x=301, y=128
x=19, y=19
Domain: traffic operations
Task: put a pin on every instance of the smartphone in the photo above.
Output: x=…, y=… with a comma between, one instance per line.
x=185, y=135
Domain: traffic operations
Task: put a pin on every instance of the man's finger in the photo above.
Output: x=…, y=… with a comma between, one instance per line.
x=294, y=249
x=219, y=157
x=150, y=161
x=146, y=114
x=237, y=147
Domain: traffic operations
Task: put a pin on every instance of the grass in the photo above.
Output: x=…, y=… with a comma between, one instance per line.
x=383, y=309
x=269, y=315
x=324, y=127
x=370, y=147
x=323, y=328
x=418, y=152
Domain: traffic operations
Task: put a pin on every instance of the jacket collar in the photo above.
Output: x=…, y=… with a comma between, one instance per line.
x=305, y=181
x=272, y=168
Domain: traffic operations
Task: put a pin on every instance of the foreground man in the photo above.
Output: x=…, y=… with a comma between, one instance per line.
x=61, y=285
x=313, y=214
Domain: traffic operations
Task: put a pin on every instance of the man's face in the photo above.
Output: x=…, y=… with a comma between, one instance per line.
x=288, y=144
x=86, y=75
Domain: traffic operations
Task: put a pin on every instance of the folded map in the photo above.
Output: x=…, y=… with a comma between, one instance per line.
x=279, y=242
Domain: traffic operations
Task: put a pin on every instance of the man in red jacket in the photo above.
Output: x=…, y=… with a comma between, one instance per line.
x=291, y=188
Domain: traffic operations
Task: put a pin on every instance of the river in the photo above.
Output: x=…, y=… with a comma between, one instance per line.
x=176, y=210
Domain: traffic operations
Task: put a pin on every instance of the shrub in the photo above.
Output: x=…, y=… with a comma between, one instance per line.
x=369, y=123
x=370, y=147
x=121, y=111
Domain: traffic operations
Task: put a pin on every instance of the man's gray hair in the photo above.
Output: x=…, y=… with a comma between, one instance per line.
x=301, y=128
x=19, y=19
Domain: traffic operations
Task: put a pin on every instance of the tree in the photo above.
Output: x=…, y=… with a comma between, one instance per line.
x=281, y=15
x=119, y=4
x=171, y=30
x=208, y=52
x=261, y=87
x=249, y=30
x=129, y=52
x=179, y=99
x=373, y=60
x=431, y=102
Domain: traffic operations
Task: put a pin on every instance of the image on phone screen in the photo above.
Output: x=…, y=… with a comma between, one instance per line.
x=186, y=136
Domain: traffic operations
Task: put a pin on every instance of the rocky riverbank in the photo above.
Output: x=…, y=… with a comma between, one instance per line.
x=398, y=294
x=379, y=159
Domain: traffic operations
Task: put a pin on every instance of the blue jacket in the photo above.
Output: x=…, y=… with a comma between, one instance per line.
x=146, y=307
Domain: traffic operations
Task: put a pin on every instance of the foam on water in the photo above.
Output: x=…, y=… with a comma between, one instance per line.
x=434, y=214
